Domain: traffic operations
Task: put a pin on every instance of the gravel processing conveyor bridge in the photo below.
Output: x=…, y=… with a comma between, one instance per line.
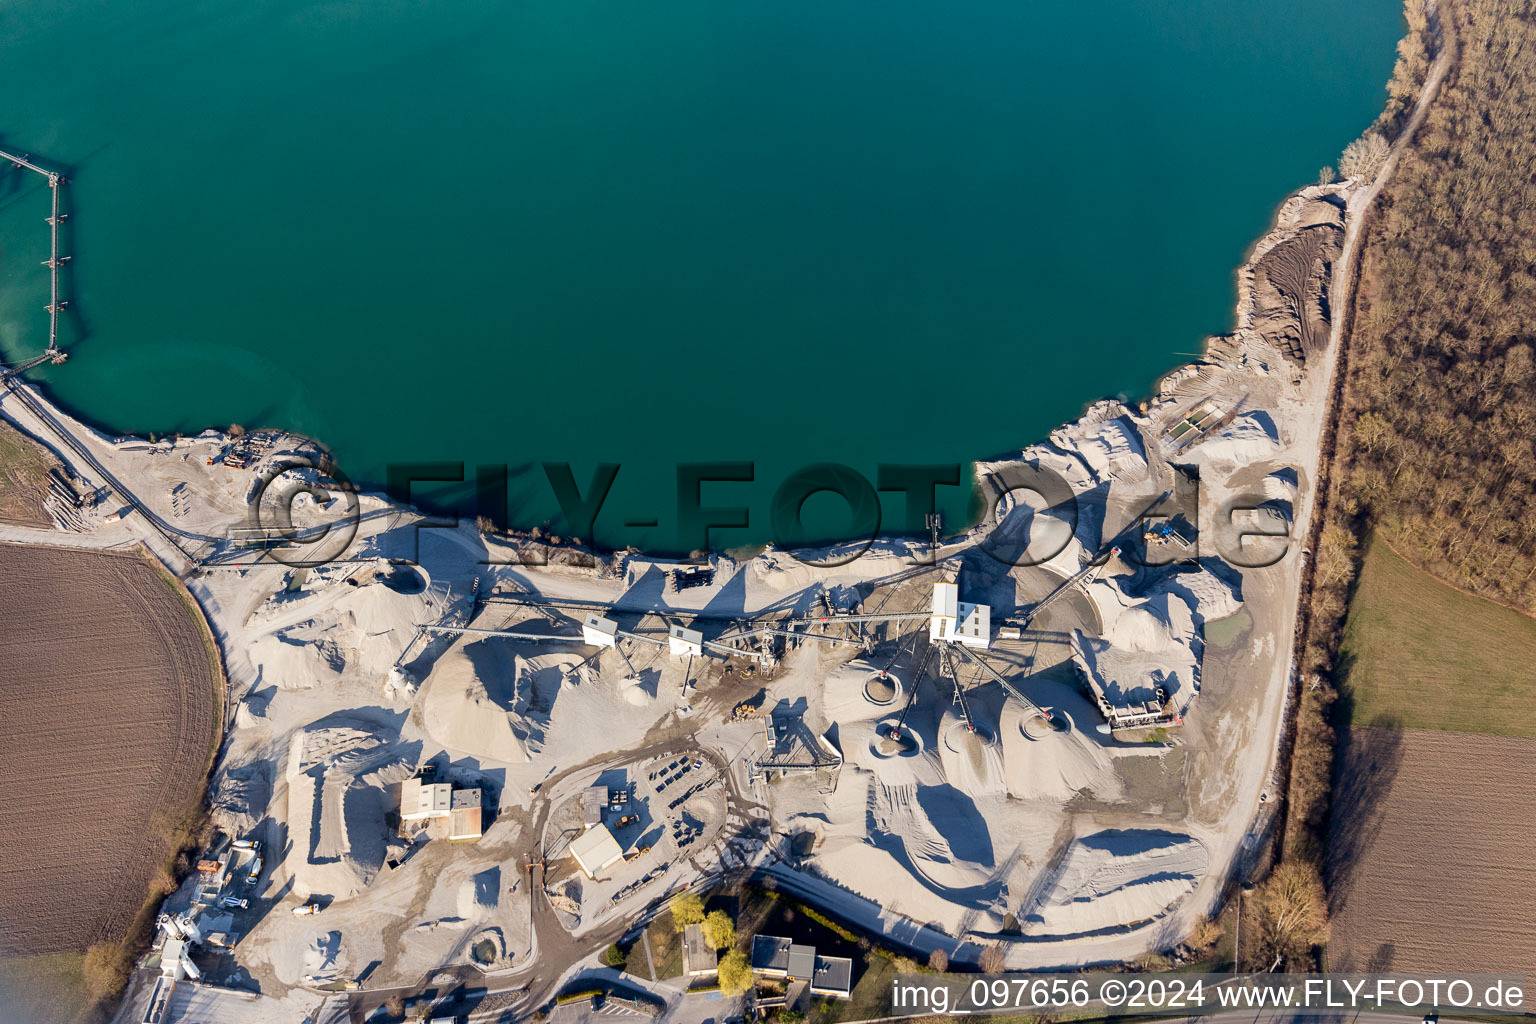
x=53, y=263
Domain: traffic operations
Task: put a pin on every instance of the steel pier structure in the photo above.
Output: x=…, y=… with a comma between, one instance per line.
x=54, y=263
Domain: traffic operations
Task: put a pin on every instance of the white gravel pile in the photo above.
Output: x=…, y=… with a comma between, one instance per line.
x=1111, y=449
x=1247, y=439
x=971, y=760
x=336, y=633
x=1056, y=765
x=939, y=839
x=459, y=713
x=1110, y=878
x=339, y=784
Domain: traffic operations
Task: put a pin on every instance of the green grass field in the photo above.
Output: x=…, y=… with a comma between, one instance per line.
x=666, y=948
x=1419, y=654
x=871, y=996
x=47, y=989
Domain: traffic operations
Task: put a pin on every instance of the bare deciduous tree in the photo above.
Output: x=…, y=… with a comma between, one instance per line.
x=993, y=958
x=1290, y=910
x=1363, y=158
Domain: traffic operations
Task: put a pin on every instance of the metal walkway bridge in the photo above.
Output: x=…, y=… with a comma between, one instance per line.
x=54, y=263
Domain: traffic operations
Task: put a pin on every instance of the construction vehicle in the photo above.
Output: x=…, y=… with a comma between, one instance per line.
x=1168, y=531
x=636, y=853
x=306, y=910
x=628, y=819
x=234, y=902
x=254, y=873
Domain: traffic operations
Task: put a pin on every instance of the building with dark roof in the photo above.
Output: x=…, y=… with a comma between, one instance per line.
x=700, y=959
x=593, y=800
x=770, y=956
x=777, y=957
x=833, y=977
x=802, y=962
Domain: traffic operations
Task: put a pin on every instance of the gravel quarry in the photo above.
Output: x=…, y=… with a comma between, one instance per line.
x=1070, y=837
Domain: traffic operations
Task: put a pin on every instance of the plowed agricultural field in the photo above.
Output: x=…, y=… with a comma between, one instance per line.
x=1433, y=852
x=107, y=721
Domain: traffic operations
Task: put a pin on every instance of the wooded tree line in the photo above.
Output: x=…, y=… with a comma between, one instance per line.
x=1408, y=74
x=1434, y=442
x=1342, y=510
x=1439, y=441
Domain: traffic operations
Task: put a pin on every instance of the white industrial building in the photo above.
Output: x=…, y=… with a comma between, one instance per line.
x=595, y=849
x=423, y=800
x=598, y=631
x=959, y=622
x=685, y=642
x=177, y=934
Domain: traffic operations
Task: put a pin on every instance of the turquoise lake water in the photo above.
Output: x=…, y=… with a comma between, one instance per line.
x=688, y=230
